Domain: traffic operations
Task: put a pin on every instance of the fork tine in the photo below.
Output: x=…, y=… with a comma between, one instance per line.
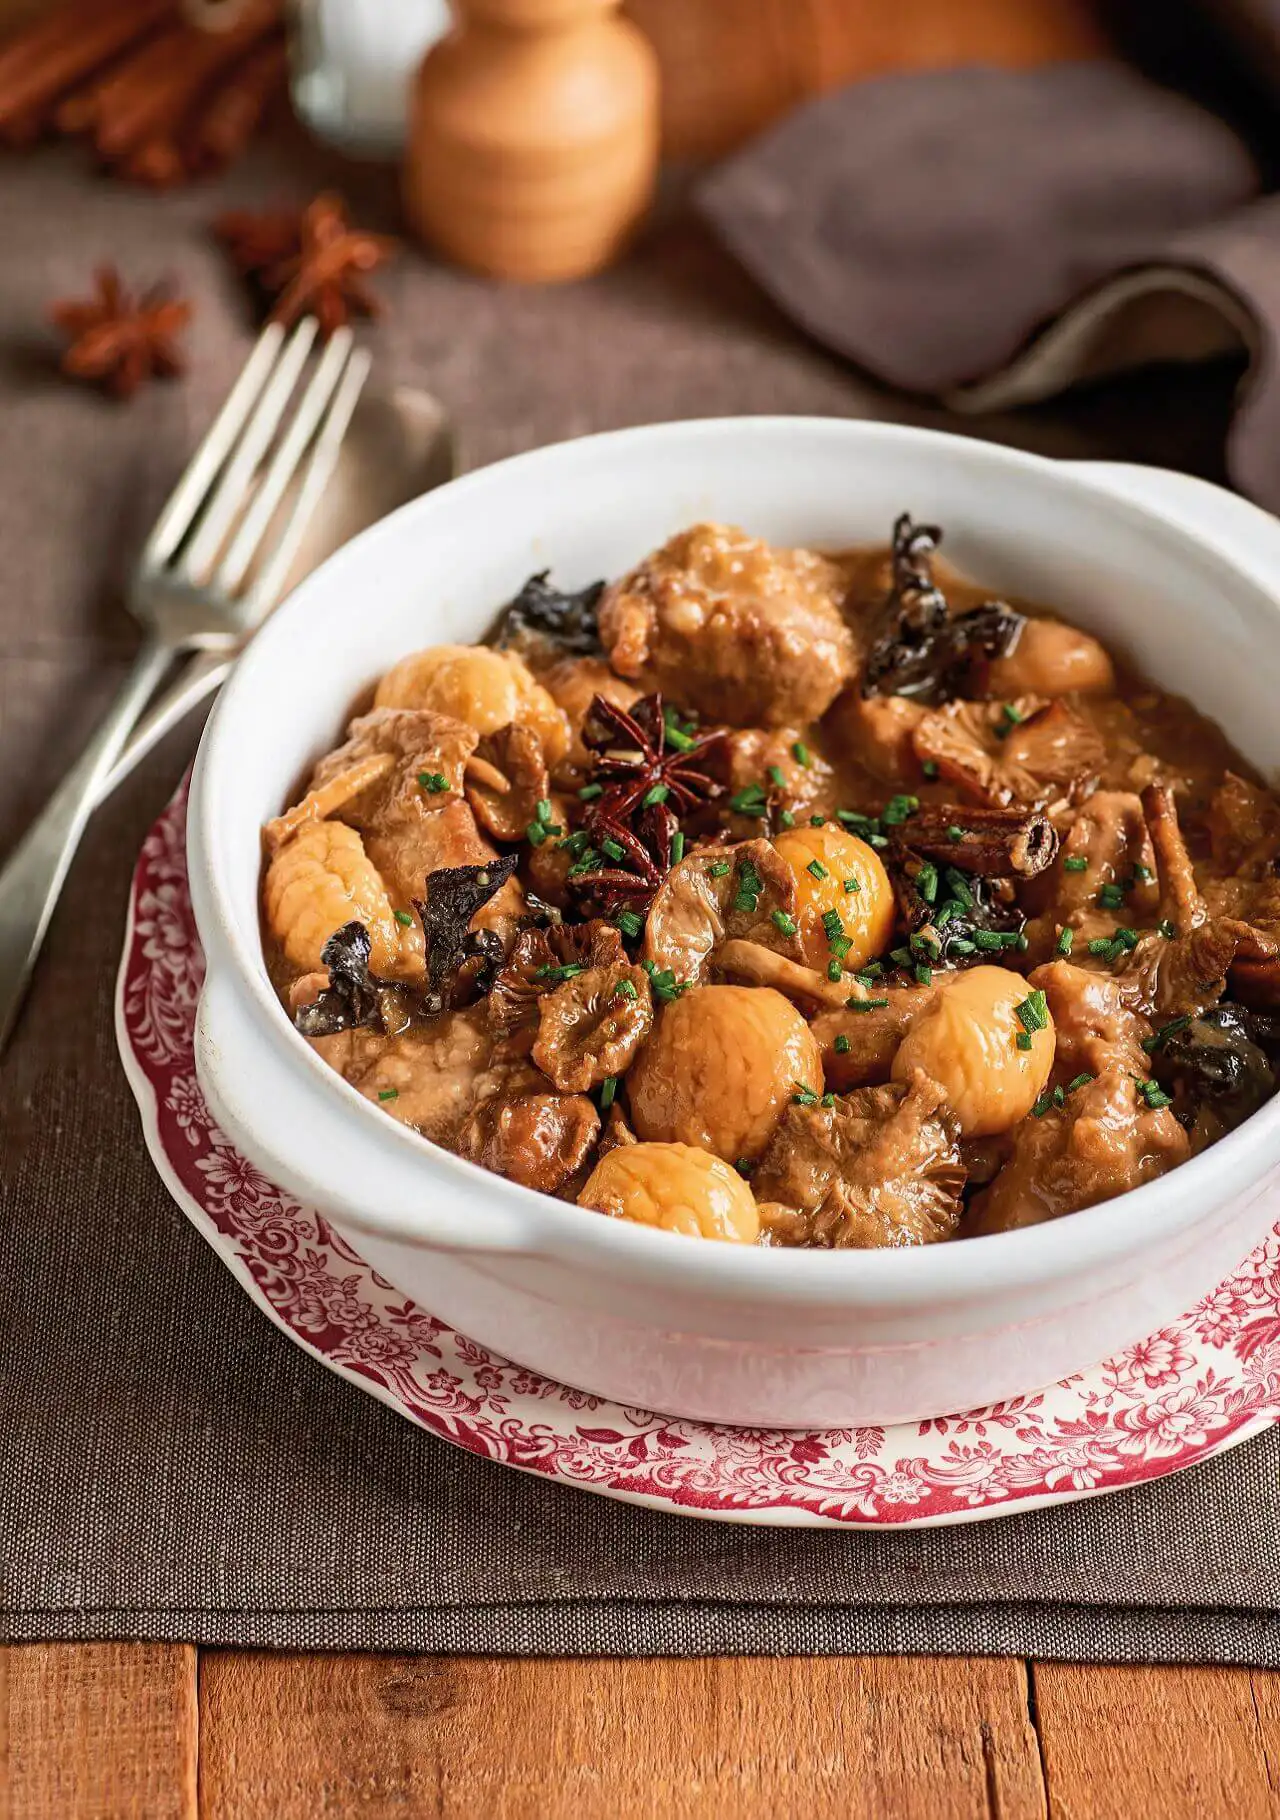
x=284, y=463
x=233, y=487
x=324, y=456
x=175, y=519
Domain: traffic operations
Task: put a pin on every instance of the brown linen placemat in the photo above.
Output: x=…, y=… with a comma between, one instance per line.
x=171, y=1466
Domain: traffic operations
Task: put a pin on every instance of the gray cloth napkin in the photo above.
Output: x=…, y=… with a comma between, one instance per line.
x=992, y=237
x=171, y=1466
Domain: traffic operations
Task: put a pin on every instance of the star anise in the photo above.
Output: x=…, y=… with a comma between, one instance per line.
x=312, y=262
x=118, y=340
x=648, y=770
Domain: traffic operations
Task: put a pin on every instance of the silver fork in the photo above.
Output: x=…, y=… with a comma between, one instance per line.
x=207, y=575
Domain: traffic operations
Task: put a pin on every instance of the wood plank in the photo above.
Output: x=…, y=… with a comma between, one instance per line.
x=312, y=1737
x=729, y=67
x=99, y=1731
x=1140, y=1740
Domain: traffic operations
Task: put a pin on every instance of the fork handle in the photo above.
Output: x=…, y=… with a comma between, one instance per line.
x=32, y=879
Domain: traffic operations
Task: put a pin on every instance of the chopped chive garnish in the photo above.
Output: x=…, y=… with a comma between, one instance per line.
x=988, y=940
x=1024, y=1039
x=1033, y=1012
x=1081, y=1080
x=853, y=884
x=677, y=738
x=924, y=975
x=842, y=1045
x=899, y=809
x=834, y=970
x=1101, y=944
x=1075, y=863
x=787, y=819
x=1143, y=873
x=749, y=801
x=776, y=776
x=960, y=946
x=1042, y=1105
x=389, y=1093
x=803, y=1096
x=719, y=870
x=782, y=921
x=543, y=811
x=1154, y=1094
x=866, y=1004
x=652, y=798
x=927, y=882
x=608, y=1088
x=612, y=848
x=958, y=886
x=1065, y=939
x=625, y=989
x=901, y=955
x=585, y=862
x=537, y=832
x=403, y=916
x=1110, y=897
x=744, y=1166
x=589, y=792
x=828, y=1099
x=569, y=971
x=433, y=781
x=930, y=768
x=1059, y=1097
x=677, y=846
x=801, y=753
x=817, y=821
x=853, y=818
x=1162, y=1035
x=629, y=922
x=872, y=971
x=1167, y=929
x=664, y=982
x=817, y=870
x=750, y=885
x=1010, y=717
x=955, y=835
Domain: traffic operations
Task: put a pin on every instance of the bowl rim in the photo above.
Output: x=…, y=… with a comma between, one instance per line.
x=535, y=1224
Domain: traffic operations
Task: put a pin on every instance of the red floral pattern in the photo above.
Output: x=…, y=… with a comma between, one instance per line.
x=1175, y=1398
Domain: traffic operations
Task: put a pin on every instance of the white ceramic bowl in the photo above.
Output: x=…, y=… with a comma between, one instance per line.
x=716, y=1332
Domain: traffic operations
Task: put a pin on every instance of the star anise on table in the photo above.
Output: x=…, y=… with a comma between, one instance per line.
x=648, y=770
x=307, y=262
x=119, y=340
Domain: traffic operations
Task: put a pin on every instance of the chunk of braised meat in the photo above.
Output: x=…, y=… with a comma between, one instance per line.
x=1244, y=828
x=617, y=1133
x=591, y=1026
x=879, y=1168
x=1027, y=751
x=534, y=968
x=730, y=626
x=858, y=1047
x=764, y=764
x=1215, y=1069
x=716, y=894
x=1103, y=1140
x=372, y=779
x=1243, y=883
x=1106, y=849
x=1097, y=1028
x=922, y=650
x=427, y=1077
x=879, y=733
x=541, y=1139
x=506, y=780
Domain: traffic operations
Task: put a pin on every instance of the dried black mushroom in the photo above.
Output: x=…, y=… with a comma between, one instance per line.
x=454, y=895
x=540, y=611
x=1215, y=1067
x=922, y=651
x=354, y=999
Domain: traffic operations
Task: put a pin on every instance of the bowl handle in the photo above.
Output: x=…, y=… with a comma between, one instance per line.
x=1244, y=532
x=305, y=1148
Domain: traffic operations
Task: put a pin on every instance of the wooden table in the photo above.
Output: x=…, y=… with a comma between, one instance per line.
x=159, y=1732
x=101, y=1732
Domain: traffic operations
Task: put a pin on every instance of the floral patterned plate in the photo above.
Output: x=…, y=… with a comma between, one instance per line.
x=1182, y=1395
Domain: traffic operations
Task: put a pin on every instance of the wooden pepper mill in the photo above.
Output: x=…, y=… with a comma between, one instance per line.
x=533, y=140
